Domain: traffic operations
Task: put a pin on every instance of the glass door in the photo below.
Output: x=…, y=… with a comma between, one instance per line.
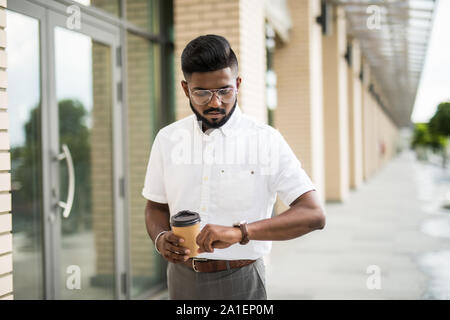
x=84, y=99
x=66, y=155
x=84, y=169
x=24, y=76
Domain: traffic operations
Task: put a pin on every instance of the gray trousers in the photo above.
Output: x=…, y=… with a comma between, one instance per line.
x=246, y=283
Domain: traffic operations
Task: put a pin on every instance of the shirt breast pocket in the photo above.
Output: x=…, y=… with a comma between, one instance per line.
x=237, y=190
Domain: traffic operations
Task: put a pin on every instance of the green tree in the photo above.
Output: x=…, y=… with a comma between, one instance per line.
x=26, y=176
x=27, y=171
x=424, y=137
x=440, y=127
x=74, y=132
x=440, y=122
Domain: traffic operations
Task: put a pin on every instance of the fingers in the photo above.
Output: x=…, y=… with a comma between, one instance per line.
x=205, y=239
x=172, y=238
x=172, y=250
x=177, y=249
x=174, y=257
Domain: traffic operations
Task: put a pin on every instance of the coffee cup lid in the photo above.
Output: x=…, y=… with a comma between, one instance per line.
x=185, y=218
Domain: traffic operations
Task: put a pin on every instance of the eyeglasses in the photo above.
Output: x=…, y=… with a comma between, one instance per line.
x=202, y=97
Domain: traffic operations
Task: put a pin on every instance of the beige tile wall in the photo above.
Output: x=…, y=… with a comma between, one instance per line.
x=379, y=131
x=242, y=23
x=6, y=281
x=355, y=117
x=336, y=110
x=299, y=113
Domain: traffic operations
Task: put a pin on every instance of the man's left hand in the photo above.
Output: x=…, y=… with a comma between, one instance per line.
x=215, y=236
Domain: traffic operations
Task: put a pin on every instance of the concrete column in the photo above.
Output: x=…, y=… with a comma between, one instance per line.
x=298, y=65
x=242, y=23
x=372, y=136
x=366, y=101
x=336, y=110
x=355, y=119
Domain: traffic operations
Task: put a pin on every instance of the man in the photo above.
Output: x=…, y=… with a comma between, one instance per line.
x=228, y=168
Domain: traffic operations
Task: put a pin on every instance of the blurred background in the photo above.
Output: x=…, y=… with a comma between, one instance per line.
x=359, y=89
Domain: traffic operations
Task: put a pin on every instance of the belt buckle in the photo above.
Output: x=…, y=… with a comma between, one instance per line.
x=197, y=259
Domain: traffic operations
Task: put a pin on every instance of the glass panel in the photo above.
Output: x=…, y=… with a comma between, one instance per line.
x=145, y=263
x=110, y=6
x=84, y=93
x=26, y=167
x=144, y=14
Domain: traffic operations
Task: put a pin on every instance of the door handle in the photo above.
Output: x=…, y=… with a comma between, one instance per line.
x=67, y=206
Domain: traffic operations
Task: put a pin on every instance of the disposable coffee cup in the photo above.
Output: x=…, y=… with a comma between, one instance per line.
x=186, y=224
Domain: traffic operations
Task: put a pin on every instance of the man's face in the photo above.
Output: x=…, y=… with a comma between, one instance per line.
x=216, y=112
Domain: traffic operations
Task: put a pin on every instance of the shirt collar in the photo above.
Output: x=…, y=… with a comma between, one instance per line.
x=228, y=127
x=231, y=124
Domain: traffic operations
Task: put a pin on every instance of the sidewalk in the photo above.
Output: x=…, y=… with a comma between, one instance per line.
x=394, y=221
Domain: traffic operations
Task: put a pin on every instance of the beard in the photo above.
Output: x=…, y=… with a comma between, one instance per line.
x=213, y=124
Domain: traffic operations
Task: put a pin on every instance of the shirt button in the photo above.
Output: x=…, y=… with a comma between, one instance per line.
x=205, y=178
x=203, y=209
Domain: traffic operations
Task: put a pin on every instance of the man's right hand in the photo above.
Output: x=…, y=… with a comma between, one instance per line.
x=170, y=247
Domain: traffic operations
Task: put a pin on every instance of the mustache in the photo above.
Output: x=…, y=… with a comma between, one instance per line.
x=219, y=110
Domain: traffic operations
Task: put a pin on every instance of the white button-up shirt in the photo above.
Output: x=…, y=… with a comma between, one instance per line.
x=227, y=175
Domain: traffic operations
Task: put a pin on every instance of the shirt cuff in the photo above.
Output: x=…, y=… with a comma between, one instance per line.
x=297, y=193
x=153, y=197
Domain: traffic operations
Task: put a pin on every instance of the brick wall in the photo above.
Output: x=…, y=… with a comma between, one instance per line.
x=365, y=119
x=6, y=278
x=143, y=104
x=336, y=109
x=385, y=133
x=379, y=131
x=355, y=117
x=101, y=160
x=253, y=58
x=140, y=136
x=142, y=64
x=299, y=113
x=241, y=22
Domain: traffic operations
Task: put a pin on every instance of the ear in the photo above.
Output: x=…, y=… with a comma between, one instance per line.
x=184, y=84
x=238, y=82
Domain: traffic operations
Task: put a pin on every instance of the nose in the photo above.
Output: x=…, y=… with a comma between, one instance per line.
x=215, y=100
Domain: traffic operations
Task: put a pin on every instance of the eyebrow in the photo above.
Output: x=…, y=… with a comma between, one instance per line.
x=224, y=87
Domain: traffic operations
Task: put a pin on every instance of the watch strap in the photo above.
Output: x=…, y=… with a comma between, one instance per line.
x=243, y=227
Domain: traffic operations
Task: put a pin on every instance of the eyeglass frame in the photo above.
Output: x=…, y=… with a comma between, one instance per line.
x=213, y=92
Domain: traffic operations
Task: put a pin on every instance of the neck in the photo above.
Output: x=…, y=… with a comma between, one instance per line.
x=206, y=124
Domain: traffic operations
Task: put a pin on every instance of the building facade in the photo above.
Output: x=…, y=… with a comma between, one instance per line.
x=85, y=86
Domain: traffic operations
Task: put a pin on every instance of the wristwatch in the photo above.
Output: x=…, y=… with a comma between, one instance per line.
x=243, y=226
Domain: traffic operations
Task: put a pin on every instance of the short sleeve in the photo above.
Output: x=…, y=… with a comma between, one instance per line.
x=290, y=180
x=154, y=189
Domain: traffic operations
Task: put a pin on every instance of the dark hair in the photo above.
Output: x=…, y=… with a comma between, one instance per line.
x=208, y=53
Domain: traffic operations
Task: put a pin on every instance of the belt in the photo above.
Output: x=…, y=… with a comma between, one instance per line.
x=206, y=265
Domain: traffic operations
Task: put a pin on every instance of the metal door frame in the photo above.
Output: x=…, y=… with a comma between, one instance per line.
x=51, y=14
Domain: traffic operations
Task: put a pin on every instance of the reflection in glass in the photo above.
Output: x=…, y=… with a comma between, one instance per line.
x=26, y=167
x=144, y=14
x=84, y=93
x=110, y=6
x=143, y=63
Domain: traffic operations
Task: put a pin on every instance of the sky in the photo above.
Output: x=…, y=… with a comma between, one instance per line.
x=434, y=86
